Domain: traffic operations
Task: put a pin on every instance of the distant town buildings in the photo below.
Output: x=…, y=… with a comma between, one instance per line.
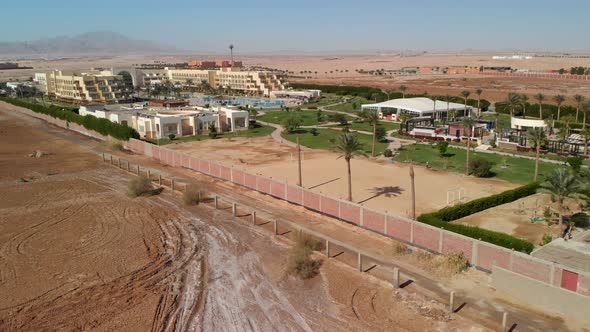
x=157, y=122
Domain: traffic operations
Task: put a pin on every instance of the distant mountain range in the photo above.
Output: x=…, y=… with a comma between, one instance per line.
x=100, y=42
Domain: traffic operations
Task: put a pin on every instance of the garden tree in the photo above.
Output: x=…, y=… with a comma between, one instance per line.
x=374, y=96
x=480, y=167
x=478, y=92
x=404, y=116
x=349, y=146
x=253, y=113
x=212, y=130
x=575, y=163
x=442, y=147
x=465, y=95
x=292, y=122
x=538, y=138
x=579, y=99
x=381, y=133
x=402, y=89
x=561, y=184
x=523, y=101
x=559, y=99
x=372, y=118
x=540, y=98
x=320, y=116
x=585, y=109
x=468, y=124
x=340, y=118
x=453, y=114
x=512, y=102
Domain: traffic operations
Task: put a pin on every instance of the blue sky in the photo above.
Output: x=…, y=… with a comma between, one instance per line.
x=328, y=25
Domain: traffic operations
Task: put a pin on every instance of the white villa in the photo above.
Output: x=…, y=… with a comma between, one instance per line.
x=153, y=123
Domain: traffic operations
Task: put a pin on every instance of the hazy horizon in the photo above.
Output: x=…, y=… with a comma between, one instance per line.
x=310, y=28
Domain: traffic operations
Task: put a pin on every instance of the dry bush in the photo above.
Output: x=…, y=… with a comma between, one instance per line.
x=190, y=196
x=113, y=145
x=452, y=263
x=399, y=248
x=300, y=262
x=139, y=186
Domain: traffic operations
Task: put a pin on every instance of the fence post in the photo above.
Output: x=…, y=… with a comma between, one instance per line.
x=137, y=170
x=128, y=166
x=396, y=277
x=119, y=162
x=504, y=321
x=172, y=184
x=327, y=248
x=216, y=201
x=359, y=262
x=234, y=209
x=149, y=175
x=254, y=218
x=111, y=159
x=199, y=196
x=276, y=227
x=103, y=159
x=451, y=301
x=160, y=179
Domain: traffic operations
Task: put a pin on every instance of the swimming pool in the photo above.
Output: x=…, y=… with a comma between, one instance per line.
x=240, y=101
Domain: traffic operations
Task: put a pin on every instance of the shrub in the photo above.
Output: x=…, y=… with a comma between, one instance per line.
x=292, y=123
x=300, y=262
x=314, y=131
x=190, y=196
x=338, y=117
x=575, y=163
x=171, y=136
x=400, y=248
x=480, y=167
x=102, y=126
x=115, y=146
x=380, y=133
x=388, y=153
x=212, y=131
x=139, y=186
x=547, y=237
x=442, y=147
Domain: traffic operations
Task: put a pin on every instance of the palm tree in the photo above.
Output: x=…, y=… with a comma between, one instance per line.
x=523, y=101
x=413, y=187
x=478, y=92
x=453, y=114
x=349, y=146
x=372, y=117
x=561, y=184
x=402, y=89
x=559, y=99
x=254, y=113
x=585, y=108
x=538, y=137
x=468, y=123
x=579, y=99
x=465, y=95
x=403, y=117
x=513, y=102
x=540, y=97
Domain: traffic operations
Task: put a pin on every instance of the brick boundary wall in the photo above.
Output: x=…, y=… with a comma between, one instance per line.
x=480, y=254
x=541, y=75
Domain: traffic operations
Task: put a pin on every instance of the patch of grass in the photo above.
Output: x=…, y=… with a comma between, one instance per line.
x=114, y=145
x=300, y=263
x=399, y=248
x=365, y=126
x=326, y=137
x=326, y=99
x=190, y=196
x=352, y=105
x=257, y=131
x=511, y=169
x=139, y=186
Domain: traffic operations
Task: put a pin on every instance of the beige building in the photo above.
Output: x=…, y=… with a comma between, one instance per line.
x=234, y=78
x=91, y=87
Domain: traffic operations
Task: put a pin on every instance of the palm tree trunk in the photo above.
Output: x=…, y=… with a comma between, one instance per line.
x=467, y=159
x=413, y=192
x=349, y=180
x=584, y=121
x=537, y=161
x=299, y=182
x=478, y=109
x=577, y=112
x=558, y=112
x=374, y=139
x=540, y=111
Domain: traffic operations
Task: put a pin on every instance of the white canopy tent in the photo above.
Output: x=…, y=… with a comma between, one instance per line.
x=420, y=106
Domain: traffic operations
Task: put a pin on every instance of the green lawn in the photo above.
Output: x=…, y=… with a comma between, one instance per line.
x=259, y=131
x=308, y=118
x=506, y=168
x=326, y=99
x=326, y=138
x=365, y=126
x=349, y=106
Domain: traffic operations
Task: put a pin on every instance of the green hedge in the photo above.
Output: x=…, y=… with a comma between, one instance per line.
x=549, y=110
x=369, y=93
x=102, y=126
x=441, y=218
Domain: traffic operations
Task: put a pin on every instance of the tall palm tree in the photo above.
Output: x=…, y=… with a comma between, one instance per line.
x=538, y=137
x=453, y=114
x=559, y=99
x=579, y=99
x=585, y=109
x=540, y=98
x=523, y=101
x=413, y=187
x=402, y=89
x=465, y=95
x=561, y=184
x=372, y=117
x=478, y=92
x=349, y=146
x=468, y=124
x=512, y=102
x=403, y=118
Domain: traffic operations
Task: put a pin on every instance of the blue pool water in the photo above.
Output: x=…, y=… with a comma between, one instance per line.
x=242, y=101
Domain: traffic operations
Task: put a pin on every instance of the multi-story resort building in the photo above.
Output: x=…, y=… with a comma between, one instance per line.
x=91, y=87
x=157, y=122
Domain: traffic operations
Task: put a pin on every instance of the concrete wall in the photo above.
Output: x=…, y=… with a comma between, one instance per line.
x=540, y=294
x=483, y=255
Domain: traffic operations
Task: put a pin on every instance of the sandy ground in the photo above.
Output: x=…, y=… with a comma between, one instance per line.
x=375, y=184
x=495, y=88
x=77, y=254
x=515, y=218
